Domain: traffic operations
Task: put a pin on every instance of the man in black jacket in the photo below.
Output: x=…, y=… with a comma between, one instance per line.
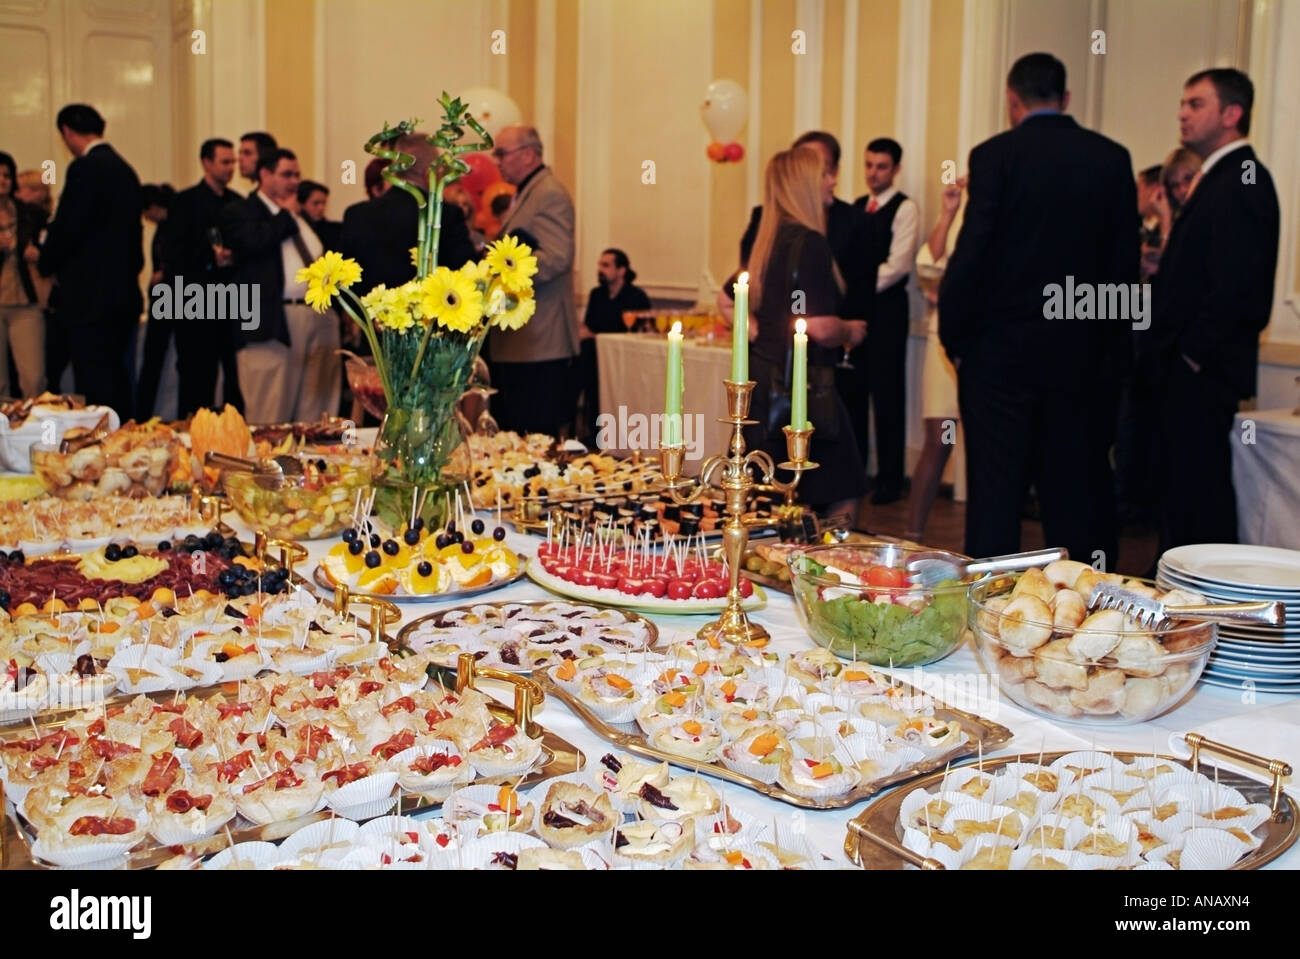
x=196, y=251
x=288, y=367
x=1051, y=207
x=94, y=249
x=379, y=233
x=1213, y=296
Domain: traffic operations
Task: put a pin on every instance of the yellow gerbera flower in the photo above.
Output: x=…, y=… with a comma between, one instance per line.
x=389, y=309
x=415, y=256
x=515, y=312
x=478, y=272
x=452, y=299
x=325, y=277
x=513, y=262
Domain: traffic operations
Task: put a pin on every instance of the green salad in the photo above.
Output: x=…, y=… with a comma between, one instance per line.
x=855, y=626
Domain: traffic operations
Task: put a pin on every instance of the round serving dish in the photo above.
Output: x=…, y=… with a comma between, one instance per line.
x=1106, y=670
x=314, y=505
x=872, y=621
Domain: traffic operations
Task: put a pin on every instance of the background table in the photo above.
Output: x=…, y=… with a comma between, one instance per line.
x=1266, y=474
x=632, y=368
x=1256, y=722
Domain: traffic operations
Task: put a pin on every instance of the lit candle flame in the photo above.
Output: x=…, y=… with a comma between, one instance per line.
x=743, y=279
x=801, y=325
x=677, y=328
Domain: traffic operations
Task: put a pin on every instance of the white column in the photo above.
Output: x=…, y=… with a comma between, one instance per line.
x=544, y=74
x=592, y=195
x=810, y=17
x=754, y=87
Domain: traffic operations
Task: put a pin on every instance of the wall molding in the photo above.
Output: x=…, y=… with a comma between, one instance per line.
x=754, y=89
x=810, y=17
x=910, y=111
x=544, y=72
x=849, y=101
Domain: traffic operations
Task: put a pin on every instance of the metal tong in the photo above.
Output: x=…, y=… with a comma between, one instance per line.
x=1153, y=613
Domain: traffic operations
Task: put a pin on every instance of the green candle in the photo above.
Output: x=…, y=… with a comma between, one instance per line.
x=740, y=331
x=799, y=377
x=673, y=388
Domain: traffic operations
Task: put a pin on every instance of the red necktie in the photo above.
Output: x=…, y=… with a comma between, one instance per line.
x=873, y=206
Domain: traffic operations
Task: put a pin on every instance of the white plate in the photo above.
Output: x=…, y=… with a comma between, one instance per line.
x=641, y=604
x=1256, y=687
x=1223, y=662
x=1230, y=674
x=1253, y=567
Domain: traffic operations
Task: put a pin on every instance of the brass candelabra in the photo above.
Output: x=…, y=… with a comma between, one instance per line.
x=730, y=473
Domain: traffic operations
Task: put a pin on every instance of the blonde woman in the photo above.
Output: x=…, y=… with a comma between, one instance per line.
x=792, y=275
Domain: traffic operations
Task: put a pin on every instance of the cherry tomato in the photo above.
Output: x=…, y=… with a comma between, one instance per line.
x=709, y=589
x=654, y=587
x=886, y=576
x=679, y=589
x=629, y=586
x=746, y=587
x=604, y=580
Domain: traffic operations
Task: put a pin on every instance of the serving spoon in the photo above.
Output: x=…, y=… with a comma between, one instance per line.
x=267, y=473
x=932, y=569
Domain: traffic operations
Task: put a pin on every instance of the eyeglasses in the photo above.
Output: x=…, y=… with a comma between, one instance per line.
x=501, y=154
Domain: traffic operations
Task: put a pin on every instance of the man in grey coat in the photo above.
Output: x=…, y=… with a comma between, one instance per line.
x=531, y=366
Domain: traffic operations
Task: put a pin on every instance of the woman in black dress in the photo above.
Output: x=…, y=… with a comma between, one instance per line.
x=792, y=275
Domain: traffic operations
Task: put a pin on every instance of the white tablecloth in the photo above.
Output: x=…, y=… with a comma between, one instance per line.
x=1266, y=474
x=632, y=368
x=1252, y=726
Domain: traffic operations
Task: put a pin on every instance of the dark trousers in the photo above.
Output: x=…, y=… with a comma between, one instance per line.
x=1056, y=438
x=158, y=333
x=203, y=346
x=586, y=383
x=533, y=397
x=95, y=338
x=1195, y=421
x=878, y=382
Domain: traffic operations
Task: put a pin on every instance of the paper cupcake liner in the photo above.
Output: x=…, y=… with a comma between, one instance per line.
x=447, y=776
x=1008, y=823
x=829, y=787
x=364, y=798
x=470, y=803
x=326, y=833
x=622, y=711
x=972, y=852
x=245, y=855
x=478, y=853
x=735, y=758
x=910, y=812
x=173, y=830
x=99, y=855
x=1024, y=856
x=1211, y=849
x=752, y=857
x=1077, y=762
x=678, y=850
x=489, y=763
x=697, y=788
x=973, y=782
x=298, y=802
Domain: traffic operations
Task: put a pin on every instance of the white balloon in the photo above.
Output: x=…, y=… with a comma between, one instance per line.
x=725, y=109
x=491, y=107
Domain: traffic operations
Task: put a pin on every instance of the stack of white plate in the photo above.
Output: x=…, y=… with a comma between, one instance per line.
x=1266, y=656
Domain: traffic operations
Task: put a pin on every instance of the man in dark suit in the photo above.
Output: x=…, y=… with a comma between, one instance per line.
x=1213, y=296
x=380, y=232
x=288, y=367
x=1051, y=207
x=94, y=249
x=197, y=252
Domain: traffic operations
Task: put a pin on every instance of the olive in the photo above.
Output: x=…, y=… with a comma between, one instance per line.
x=213, y=540
x=349, y=535
x=17, y=556
x=112, y=552
x=373, y=559
x=451, y=526
x=419, y=523
x=467, y=546
x=411, y=537
x=425, y=568
x=499, y=533
x=477, y=527
x=392, y=547
x=164, y=545
x=355, y=546
x=375, y=540
x=5, y=599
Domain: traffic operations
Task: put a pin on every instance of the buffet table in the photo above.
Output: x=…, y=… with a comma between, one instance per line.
x=1266, y=475
x=1264, y=724
x=632, y=368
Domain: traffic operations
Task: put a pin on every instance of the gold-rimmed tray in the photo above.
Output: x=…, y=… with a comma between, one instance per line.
x=641, y=604
x=874, y=837
x=982, y=734
x=560, y=757
x=322, y=578
x=408, y=631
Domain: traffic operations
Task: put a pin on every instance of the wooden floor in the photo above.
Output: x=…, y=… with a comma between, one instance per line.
x=946, y=530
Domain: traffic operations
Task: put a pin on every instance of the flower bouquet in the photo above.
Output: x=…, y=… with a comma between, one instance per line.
x=426, y=334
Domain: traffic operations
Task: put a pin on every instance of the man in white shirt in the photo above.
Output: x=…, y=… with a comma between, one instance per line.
x=288, y=367
x=892, y=221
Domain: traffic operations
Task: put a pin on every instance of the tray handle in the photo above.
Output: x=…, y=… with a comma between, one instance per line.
x=290, y=552
x=382, y=612
x=207, y=506
x=895, y=848
x=528, y=693
x=1278, y=769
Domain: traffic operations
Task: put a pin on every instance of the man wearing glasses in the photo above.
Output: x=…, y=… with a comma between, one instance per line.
x=530, y=366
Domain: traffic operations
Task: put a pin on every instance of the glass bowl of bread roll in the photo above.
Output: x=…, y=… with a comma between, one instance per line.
x=1053, y=656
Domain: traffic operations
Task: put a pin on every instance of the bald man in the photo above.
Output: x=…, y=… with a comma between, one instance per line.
x=531, y=366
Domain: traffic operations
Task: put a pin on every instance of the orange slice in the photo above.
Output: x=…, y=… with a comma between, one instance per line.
x=822, y=770
x=378, y=580
x=566, y=670
x=691, y=727
x=700, y=668
x=508, y=800
x=728, y=688
x=855, y=676
x=676, y=700
x=763, y=744
x=618, y=682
